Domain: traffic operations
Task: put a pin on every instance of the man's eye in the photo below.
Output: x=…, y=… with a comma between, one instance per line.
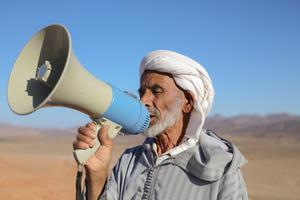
x=156, y=90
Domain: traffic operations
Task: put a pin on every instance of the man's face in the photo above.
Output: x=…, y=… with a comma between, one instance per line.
x=163, y=99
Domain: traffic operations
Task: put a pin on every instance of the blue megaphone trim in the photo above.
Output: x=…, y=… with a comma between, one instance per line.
x=127, y=111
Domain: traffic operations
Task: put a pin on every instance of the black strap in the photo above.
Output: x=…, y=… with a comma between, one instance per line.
x=79, y=191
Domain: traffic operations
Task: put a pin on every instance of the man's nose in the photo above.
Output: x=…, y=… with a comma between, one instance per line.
x=147, y=98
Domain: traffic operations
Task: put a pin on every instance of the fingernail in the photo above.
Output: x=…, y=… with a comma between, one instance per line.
x=91, y=145
x=93, y=127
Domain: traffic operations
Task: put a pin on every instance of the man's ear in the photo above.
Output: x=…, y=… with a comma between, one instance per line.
x=189, y=102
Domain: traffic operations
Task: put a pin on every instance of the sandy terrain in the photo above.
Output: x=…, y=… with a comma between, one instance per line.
x=43, y=168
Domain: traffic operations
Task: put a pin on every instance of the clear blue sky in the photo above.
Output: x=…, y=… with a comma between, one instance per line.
x=251, y=48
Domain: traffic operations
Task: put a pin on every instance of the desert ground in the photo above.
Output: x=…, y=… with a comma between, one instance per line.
x=42, y=167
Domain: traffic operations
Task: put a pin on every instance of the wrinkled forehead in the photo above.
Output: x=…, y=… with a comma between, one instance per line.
x=150, y=77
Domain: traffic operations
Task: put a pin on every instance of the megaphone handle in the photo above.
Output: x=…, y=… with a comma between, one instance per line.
x=82, y=155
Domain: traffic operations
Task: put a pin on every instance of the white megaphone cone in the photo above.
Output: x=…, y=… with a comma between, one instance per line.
x=47, y=73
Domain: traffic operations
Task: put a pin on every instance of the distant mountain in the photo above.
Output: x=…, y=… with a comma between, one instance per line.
x=276, y=124
x=16, y=131
x=9, y=132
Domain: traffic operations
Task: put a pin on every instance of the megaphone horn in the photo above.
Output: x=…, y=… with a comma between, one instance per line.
x=47, y=73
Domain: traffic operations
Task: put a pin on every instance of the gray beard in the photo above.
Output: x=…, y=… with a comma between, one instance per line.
x=167, y=122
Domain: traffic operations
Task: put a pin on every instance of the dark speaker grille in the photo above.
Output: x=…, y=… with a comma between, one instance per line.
x=146, y=122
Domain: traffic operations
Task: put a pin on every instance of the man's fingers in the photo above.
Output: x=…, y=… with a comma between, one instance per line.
x=91, y=125
x=104, y=152
x=80, y=145
x=87, y=131
x=85, y=139
x=104, y=138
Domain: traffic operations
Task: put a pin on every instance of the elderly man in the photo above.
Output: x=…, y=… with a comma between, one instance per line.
x=179, y=159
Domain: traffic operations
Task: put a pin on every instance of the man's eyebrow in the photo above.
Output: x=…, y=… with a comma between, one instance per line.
x=157, y=86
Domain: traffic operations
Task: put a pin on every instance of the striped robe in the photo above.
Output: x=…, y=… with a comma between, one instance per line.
x=204, y=172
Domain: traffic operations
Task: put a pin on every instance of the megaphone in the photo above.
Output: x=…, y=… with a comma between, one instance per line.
x=47, y=73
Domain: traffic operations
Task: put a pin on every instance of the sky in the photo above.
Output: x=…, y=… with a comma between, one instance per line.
x=250, y=48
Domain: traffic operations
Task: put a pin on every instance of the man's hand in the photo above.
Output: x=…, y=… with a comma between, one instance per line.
x=97, y=166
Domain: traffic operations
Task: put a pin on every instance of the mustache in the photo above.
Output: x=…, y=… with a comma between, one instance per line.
x=154, y=112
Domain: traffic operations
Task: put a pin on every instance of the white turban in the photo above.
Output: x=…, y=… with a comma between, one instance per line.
x=189, y=75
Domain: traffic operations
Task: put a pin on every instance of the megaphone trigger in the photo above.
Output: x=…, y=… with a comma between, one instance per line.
x=114, y=128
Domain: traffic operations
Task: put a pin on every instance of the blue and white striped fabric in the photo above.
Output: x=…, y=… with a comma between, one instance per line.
x=206, y=172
